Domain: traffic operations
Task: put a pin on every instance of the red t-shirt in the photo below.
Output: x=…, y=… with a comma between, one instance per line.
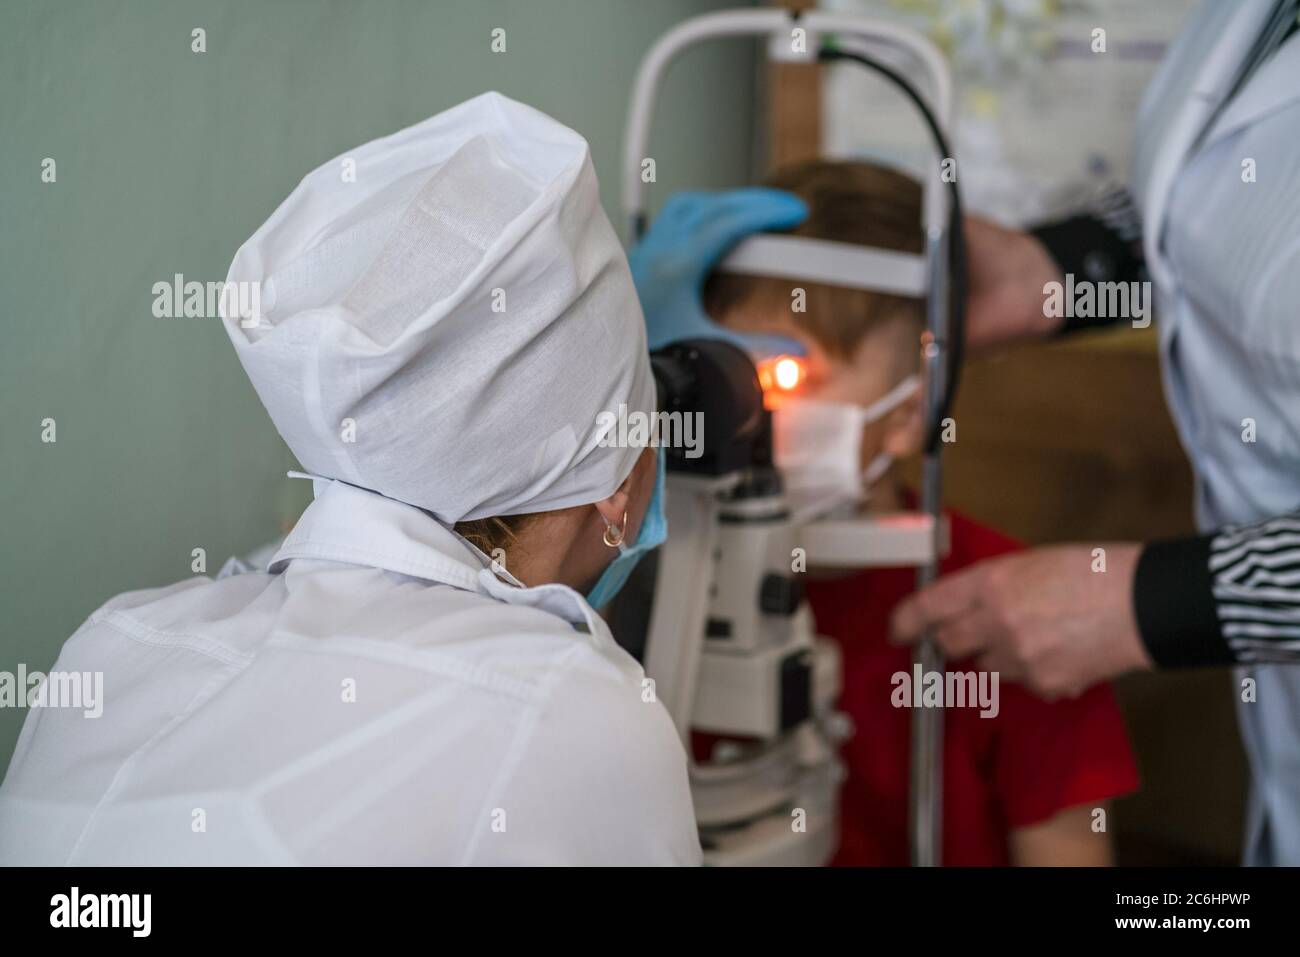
x=1016, y=769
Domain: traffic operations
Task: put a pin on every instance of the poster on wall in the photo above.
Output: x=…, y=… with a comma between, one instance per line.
x=1045, y=103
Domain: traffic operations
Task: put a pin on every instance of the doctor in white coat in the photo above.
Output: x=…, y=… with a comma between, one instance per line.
x=1216, y=191
x=420, y=677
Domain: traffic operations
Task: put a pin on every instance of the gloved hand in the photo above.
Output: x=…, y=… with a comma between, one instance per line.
x=689, y=237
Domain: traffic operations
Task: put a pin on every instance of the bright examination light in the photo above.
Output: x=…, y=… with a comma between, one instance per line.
x=788, y=373
x=780, y=377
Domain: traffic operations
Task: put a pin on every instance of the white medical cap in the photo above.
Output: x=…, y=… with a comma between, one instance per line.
x=445, y=312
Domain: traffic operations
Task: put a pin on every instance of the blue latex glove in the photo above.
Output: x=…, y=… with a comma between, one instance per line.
x=689, y=237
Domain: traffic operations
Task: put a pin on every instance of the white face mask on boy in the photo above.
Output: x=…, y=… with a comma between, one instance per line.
x=818, y=448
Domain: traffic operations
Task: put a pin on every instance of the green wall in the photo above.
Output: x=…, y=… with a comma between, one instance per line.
x=166, y=161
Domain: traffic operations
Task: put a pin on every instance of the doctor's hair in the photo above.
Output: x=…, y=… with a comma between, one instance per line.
x=489, y=534
x=849, y=202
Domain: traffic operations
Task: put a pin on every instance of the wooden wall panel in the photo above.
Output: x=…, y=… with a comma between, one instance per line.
x=794, y=107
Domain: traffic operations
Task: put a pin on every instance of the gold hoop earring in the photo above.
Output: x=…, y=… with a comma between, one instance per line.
x=614, y=533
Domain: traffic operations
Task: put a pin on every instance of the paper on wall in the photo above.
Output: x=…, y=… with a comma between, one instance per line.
x=1044, y=120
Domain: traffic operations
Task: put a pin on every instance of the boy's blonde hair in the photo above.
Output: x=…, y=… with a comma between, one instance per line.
x=851, y=202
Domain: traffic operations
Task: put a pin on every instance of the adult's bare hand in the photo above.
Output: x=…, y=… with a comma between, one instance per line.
x=1042, y=617
x=1007, y=269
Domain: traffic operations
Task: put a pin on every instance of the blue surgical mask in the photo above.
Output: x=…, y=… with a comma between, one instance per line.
x=653, y=531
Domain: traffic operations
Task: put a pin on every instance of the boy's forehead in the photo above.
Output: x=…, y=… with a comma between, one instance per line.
x=879, y=350
x=871, y=371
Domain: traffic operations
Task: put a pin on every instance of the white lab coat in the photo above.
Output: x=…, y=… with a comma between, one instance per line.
x=378, y=698
x=1224, y=251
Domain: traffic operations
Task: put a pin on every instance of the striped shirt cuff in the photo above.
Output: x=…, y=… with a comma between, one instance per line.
x=1231, y=597
x=1255, y=571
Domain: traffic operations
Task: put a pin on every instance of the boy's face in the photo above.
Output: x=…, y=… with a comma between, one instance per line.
x=884, y=357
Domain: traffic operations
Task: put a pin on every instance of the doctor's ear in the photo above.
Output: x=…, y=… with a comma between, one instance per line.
x=614, y=508
x=631, y=496
x=905, y=427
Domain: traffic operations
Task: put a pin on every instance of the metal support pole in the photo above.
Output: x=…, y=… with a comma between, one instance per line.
x=925, y=810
